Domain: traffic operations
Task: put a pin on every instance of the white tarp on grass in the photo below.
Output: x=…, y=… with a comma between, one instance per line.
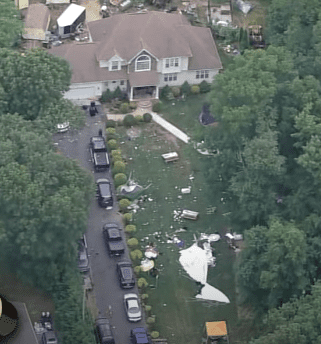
x=194, y=262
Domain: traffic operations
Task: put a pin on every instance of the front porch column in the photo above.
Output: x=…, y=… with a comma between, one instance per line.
x=157, y=92
x=131, y=94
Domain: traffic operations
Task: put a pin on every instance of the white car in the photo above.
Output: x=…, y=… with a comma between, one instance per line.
x=63, y=127
x=132, y=307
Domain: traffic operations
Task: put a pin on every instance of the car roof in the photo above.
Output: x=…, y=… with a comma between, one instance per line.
x=113, y=233
x=132, y=303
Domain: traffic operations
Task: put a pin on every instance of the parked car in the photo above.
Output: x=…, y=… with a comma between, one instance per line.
x=126, y=275
x=99, y=155
x=103, y=331
x=63, y=127
x=113, y=240
x=132, y=307
x=139, y=335
x=83, y=261
x=104, y=193
x=49, y=337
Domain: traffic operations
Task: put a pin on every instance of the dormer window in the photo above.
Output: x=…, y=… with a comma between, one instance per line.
x=114, y=65
x=143, y=63
x=172, y=62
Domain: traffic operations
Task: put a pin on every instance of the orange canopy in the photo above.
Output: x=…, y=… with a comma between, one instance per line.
x=216, y=328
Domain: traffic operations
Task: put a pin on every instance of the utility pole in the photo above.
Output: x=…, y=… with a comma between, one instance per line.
x=209, y=11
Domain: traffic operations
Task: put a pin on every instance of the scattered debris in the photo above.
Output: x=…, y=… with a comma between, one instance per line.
x=189, y=214
x=186, y=190
x=147, y=264
x=168, y=157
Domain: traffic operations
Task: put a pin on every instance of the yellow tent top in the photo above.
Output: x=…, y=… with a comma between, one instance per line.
x=216, y=328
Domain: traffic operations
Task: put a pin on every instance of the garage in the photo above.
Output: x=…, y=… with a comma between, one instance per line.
x=81, y=92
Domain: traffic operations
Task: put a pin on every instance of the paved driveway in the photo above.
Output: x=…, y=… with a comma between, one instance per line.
x=103, y=268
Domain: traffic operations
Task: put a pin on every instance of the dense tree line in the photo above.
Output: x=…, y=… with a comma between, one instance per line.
x=268, y=107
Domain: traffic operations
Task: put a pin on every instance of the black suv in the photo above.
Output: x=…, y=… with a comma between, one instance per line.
x=103, y=331
x=104, y=194
x=126, y=275
x=99, y=155
x=113, y=239
x=139, y=336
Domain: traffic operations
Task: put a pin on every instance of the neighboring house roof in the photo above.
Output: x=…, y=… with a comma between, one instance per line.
x=71, y=13
x=37, y=17
x=85, y=67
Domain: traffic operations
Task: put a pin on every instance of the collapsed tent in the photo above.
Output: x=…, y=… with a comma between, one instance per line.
x=195, y=262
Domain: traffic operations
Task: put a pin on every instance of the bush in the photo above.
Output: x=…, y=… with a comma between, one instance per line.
x=137, y=269
x=133, y=105
x=130, y=228
x=110, y=123
x=117, y=158
x=186, y=88
x=142, y=283
x=119, y=167
x=148, y=308
x=117, y=94
x=157, y=107
x=154, y=334
x=120, y=179
x=115, y=152
x=129, y=121
x=204, y=86
x=112, y=136
x=127, y=218
x=107, y=96
x=136, y=254
x=124, y=108
x=112, y=144
x=124, y=204
x=176, y=91
x=165, y=92
x=139, y=118
x=147, y=117
x=110, y=130
x=150, y=320
x=195, y=89
x=144, y=296
x=133, y=242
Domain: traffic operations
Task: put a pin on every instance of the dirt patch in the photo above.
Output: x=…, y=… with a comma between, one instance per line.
x=133, y=132
x=164, y=134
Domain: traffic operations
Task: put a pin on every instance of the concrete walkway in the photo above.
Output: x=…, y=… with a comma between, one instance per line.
x=170, y=127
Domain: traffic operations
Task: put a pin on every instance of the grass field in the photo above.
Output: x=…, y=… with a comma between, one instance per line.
x=180, y=317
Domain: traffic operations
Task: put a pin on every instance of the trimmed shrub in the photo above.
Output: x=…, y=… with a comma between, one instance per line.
x=147, y=117
x=124, y=108
x=117, y=94
x=139, y=118
x=128, y=218
x=110, y=130
x=112, y=136
x=154, y=334
x=133, y=242
x=130, y=228
x=133, y=105
x=195, y=89
x=136, y=254
x=137, y=269
x=107, y=96
x=186, y=88
x=115, y=152
x=176, y=91
x=124, y=204
x=165, y=92
x=119, y=167
x=110, y=123
x=204, y=86
x=157, y=106
x=150, y=320
x=120, y=179
x=144, y=296
x=129, y=121
x=142, y=283
x=148, y=308
x=112, y=144
x=117, y=158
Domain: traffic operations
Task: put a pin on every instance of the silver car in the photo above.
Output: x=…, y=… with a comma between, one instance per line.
x=132, y=307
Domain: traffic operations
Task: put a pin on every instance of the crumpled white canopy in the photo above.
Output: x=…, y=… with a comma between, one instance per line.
x=210, y=293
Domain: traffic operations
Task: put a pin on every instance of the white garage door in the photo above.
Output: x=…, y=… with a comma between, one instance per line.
x=80, y=93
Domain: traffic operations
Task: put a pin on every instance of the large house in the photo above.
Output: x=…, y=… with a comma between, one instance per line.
x=140, y=53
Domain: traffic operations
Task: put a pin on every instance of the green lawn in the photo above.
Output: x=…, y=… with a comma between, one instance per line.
x=179, y=316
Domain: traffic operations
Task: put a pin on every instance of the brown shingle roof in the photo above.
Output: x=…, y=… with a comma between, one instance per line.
x=143, y=78
x=37, y=17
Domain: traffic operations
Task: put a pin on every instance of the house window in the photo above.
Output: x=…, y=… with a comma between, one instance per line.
x=122, y=82
x=114, y=65
x=172, y=62
x=170, y=77
x=202, y=74
x=143, y=63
